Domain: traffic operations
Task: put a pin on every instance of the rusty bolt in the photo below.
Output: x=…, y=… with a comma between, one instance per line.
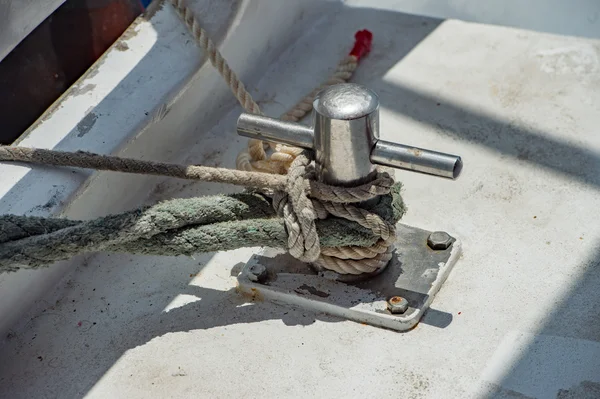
x=397, y=305
x=257, y=273
x=439, y=240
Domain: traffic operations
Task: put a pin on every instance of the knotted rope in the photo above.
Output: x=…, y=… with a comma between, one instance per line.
x=300, y=212
x=185, y=226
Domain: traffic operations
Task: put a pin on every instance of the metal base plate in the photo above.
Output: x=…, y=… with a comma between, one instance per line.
x=416, y=272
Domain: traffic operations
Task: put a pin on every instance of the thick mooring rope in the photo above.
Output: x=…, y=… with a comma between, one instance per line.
x=299, y=200
x=175, y=227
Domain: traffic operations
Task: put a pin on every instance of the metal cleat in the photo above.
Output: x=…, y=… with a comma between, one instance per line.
x=345, y=139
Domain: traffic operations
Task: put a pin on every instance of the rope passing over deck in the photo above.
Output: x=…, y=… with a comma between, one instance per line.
x=187, y=226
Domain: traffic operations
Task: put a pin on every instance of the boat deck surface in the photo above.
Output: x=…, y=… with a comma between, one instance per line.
x=518, y=316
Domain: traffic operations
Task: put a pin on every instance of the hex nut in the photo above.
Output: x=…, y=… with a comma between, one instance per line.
x=397, y=305
x=439, y=240
x=257, y=273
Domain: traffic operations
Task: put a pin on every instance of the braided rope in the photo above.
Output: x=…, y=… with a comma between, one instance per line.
x=381, y=185
x=90, y=160
x=181, y=226
x=255, y=147
x=299, y=214
x=355, y=252
x=291, y=201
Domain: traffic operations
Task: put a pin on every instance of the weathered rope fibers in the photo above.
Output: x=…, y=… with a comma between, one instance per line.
x=35, y=242
x=174, y=227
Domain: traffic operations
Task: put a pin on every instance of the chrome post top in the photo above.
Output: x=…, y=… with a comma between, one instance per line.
x=345, y=138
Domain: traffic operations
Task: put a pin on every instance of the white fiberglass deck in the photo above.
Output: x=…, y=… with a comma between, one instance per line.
x=518, y=316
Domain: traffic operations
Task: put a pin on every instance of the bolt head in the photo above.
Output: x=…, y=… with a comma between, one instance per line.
x=439, y=240
x=257, y=273
x=397, y=305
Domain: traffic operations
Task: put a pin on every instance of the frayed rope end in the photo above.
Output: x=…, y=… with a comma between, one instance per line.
x=362, y=45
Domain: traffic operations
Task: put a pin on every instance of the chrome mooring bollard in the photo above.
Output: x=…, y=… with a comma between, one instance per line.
x=345, y=138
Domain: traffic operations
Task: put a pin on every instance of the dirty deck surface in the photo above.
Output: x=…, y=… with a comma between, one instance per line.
x=518, y=316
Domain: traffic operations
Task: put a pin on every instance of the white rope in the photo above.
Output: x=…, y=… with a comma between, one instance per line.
x=255, y=147
x=299, y=213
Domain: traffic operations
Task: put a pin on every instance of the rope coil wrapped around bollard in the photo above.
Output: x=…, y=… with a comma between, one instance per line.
x=187, y=226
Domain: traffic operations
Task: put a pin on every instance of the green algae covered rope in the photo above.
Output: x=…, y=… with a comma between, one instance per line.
x=175, y=227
